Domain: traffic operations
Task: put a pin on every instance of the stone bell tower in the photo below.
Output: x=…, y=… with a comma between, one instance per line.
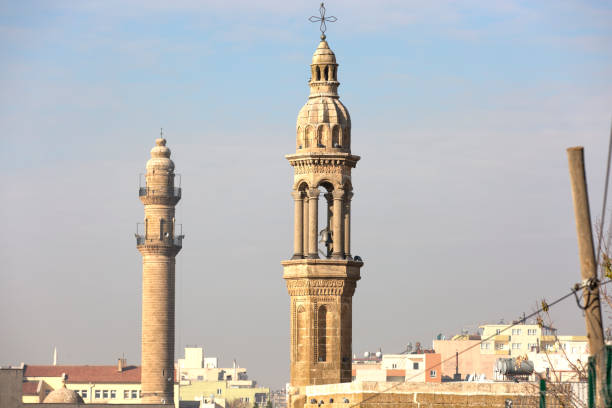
x=321, y=283
x=158, y=243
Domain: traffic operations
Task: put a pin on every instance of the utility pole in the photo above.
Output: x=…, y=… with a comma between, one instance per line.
x=588, y=265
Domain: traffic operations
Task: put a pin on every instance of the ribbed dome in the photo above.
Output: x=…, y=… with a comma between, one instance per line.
x=63, y=395
x=324, y=110
x=160, y=156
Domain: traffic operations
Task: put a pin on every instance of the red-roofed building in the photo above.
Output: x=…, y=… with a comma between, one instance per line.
x=116, y=384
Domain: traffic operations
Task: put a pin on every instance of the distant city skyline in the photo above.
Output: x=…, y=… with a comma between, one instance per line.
x=461, y=114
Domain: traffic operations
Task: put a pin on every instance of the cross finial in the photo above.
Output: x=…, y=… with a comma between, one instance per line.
x=161, y=133
x=323, y=19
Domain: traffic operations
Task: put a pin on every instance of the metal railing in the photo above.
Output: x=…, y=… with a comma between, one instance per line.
x=177, y=240
x=176, y=192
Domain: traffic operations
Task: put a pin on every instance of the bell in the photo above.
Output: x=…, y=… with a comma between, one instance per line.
x=326, y=236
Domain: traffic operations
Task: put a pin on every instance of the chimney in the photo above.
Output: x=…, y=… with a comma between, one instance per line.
x=121, y=364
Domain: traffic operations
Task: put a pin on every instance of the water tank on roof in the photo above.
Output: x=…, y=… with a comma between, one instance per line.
x=509, y=366
x=366, y=354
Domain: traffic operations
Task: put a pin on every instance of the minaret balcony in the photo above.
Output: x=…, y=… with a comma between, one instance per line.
x=175, y=192
x=176, y=241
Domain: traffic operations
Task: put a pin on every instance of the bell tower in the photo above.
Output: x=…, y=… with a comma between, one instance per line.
x=159, y=242
x=321, y=279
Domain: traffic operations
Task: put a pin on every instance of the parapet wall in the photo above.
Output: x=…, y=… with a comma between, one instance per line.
x=415, y=395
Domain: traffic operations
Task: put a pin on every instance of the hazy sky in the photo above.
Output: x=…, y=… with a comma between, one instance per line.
x=462, y=211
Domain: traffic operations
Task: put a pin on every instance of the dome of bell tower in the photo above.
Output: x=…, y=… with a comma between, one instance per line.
x=324, y=123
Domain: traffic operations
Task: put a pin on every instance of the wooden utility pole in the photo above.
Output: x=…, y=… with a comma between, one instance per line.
x=588, y=265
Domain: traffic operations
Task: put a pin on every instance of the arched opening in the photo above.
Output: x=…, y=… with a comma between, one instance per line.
x=336, y=137
x=334, y=73
x=324, y=139
x=302, y=333
x=318, y=73
x=300, y=138
x=326, y=72
x=326, y=239
x=322, y=333
x=309, y=137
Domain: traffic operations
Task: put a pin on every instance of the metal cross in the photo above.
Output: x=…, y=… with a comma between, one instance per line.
x=161, y=133
x=323, y=20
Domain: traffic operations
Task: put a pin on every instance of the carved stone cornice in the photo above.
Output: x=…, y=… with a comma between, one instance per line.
x=321, y=287
x=159, y=200
x=158, y=249
x=339, y=163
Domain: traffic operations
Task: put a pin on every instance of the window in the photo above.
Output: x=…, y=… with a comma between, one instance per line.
x=134, y=394
x=497, y=331
x=485, y=346
x=219, y=391
x=105, y=394
x=516, y=346
x=246, y=399
x=531, y=332
x=548, y=346
x=113, y=394
x=139, y=393
x=499, y=346
x=531, y=346
x=84, y=394
x=516, y=332
x=126, y=394
x=98, y=394
x=415, y=366
x=322, y=328
x=200, y=378
x=394, y=365
x=432, y=373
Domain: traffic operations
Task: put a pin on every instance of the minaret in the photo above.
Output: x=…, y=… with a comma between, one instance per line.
x=158, y=243
x=321, y=283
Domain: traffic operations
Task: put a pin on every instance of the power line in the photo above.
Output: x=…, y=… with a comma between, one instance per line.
x=545, y=307
x=605, y=198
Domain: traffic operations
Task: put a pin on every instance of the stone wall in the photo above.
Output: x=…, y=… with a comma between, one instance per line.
x=412, y=395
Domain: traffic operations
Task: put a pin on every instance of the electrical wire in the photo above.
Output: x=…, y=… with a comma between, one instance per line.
x=605, y=198
x=545, y=307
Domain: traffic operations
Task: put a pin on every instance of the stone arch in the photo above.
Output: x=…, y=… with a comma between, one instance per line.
x=302, y=333
x=318, y=73
x=326, y=73
x=322, y=333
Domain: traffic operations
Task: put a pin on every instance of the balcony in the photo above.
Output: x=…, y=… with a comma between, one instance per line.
x=177, y=240
x=501, y=338
x=144, y=191
x=548, y=339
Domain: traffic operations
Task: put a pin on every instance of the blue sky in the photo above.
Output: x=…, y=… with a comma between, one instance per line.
x=461, y=112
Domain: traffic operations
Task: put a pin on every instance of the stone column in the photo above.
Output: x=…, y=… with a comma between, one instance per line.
x=347, y=224
x=338, y=234
x=305, y=225
x=298, y=232
x=313, y=218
